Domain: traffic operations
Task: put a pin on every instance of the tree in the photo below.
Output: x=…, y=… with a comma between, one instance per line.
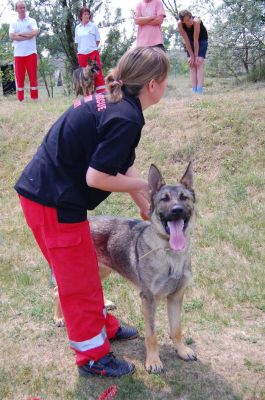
x=170, y=33
x=59, y=18
x=6, y=53
x=6, y=57
x=172, y=8
x=238, y=36
x=116, y=43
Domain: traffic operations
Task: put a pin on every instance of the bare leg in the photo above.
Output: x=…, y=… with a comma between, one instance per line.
x=193, y=77
x=200, y=74
x=174, y=305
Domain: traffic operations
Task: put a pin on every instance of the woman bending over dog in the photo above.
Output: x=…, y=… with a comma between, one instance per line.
x=88, y=153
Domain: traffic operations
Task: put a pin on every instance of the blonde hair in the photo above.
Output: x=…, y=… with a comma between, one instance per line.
x=135, y=69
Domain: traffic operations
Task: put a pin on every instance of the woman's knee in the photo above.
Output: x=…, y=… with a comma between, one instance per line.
x=200, y=61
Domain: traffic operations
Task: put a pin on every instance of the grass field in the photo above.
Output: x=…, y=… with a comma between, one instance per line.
x=224, y=309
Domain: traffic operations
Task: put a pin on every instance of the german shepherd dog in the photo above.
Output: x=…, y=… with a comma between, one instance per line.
x=83, y=78
x=154, y=255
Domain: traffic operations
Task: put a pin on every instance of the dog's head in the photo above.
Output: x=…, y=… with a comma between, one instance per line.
x=93, y=65
x=89, y=71
x=172, y=206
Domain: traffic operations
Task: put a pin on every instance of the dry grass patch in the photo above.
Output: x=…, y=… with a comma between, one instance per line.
x=224, y=308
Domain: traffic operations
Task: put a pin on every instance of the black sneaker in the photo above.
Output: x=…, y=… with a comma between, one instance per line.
x=125, y=333
x=108, y=366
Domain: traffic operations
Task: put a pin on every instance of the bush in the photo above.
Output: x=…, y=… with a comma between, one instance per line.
x=257, y=74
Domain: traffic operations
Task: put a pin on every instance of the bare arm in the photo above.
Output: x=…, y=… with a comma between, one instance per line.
x=141, y=199
x=17, y=37
x=197, y=28
x=144, y=20
x=185, y=38
x=117, y=183
x=23, y=35
x=157, y=20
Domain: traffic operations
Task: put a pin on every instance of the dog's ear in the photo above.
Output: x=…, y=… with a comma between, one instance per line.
x=187, y=179
x=155, y=179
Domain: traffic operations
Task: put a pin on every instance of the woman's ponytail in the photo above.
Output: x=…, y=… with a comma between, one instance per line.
x=135, y=69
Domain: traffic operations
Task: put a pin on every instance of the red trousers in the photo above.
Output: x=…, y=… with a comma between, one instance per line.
x=29, y=64
x=99, y=78
x=69, y=249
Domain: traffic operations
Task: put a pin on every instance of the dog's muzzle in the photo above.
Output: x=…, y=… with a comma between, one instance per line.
x=175, y=223
x=95, y=70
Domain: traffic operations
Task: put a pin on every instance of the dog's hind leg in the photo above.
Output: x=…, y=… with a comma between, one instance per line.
x=153, y=363
x=58, y=315
x=174, y=306
x=104, y=271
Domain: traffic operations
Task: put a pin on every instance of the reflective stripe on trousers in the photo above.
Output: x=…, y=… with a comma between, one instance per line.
x=92, y=343
x=100, y=87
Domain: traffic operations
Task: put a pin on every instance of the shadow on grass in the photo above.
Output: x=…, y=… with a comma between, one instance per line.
x=181, y=380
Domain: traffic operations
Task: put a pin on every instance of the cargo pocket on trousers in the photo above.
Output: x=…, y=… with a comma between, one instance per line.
x=66, y=239
x=71, y=268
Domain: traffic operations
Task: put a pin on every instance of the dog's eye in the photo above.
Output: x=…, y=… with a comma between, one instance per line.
x=183, y=197
x=165, y=198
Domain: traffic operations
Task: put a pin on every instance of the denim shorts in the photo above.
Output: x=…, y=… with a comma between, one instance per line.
x=203, y=46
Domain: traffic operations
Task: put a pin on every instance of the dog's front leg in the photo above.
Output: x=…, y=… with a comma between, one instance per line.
x=174, y=306
x=153, y=363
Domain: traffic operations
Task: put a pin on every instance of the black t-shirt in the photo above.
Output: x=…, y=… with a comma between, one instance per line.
x=203, y=35
x=92, y=132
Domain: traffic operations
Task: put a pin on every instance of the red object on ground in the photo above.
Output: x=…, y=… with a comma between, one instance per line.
x=33, y=398
x=109, y=393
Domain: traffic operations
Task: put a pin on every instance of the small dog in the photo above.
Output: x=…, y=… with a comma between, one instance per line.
x=83, y=78
x=154, y=255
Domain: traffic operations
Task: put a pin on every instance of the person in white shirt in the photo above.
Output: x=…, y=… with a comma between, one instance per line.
x=23, y=31
x=87, y=38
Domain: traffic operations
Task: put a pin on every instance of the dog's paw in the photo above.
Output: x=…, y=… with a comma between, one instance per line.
x=186, y=353
x=109, y=305
x=59, y=322
x=154, y=365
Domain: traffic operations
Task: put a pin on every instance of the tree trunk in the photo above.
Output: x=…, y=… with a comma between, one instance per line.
x=43, y=75
x=69, y=43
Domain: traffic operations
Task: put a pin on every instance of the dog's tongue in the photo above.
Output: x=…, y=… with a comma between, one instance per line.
x=177, y=239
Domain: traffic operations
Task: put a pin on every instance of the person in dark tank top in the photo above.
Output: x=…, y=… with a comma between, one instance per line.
x=195, y=37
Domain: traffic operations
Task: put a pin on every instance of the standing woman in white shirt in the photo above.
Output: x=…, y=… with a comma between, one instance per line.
x=87, y=38
x=23, y=31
